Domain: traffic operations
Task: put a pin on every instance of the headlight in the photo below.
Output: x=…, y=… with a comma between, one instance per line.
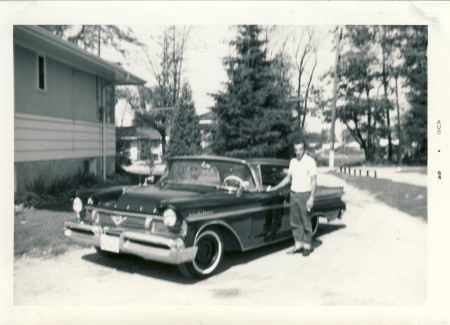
x=77, y=205
x=170, y=218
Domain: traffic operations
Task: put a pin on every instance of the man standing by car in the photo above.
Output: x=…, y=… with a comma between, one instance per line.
x=303, y=177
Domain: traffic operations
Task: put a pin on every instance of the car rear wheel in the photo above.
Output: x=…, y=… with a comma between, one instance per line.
x=209, y=255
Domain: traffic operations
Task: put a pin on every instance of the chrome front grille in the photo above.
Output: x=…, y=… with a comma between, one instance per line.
x=158, y=227
x=123, y=221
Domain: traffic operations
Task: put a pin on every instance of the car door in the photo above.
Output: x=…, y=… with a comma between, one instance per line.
x=270, y=219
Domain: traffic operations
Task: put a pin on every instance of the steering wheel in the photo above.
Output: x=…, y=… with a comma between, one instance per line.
x=233, y=178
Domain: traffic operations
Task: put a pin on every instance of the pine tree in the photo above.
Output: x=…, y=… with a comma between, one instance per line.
x=185, y=134
x=252, y=114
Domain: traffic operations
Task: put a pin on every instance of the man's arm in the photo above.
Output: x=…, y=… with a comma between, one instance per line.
x=313, y=186
x=310, y=201
x=283, y=183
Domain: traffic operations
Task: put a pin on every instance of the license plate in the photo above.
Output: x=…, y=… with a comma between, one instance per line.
x=109, y=243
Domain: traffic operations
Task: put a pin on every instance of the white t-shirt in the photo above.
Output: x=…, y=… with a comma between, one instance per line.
x=301, y=173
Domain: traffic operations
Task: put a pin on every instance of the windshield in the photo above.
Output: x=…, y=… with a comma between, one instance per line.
x=210, y=173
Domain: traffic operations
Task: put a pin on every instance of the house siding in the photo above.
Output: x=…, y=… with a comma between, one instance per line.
x=57, y=130
x=70, y=93
x=43, y=138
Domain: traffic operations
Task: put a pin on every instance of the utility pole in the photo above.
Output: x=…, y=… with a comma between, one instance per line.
x=333, y=112
x=99, y=39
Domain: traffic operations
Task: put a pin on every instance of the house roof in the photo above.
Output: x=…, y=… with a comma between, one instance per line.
x=149, y=133
x=207, y=116
x=50, y=45
x=143, y=133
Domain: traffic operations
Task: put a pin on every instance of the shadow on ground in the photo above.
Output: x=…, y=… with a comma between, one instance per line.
x=136, y=265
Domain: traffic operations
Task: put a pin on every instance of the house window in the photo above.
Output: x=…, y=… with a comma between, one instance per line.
x=41, y=76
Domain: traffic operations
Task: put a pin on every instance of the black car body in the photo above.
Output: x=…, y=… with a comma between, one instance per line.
x=200, y=207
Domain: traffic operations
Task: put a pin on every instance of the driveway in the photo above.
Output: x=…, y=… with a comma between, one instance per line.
x=375, y=255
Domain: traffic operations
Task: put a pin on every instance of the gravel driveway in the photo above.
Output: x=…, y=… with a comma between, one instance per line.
x=375, y=255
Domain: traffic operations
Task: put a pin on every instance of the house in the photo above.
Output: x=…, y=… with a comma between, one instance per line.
x=63, y=108
x=144, y=143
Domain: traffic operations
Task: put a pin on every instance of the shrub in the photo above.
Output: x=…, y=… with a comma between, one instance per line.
x=29, y=200
x=37, y=186
x=84, y=180
x=59, y=191
x=116, y=179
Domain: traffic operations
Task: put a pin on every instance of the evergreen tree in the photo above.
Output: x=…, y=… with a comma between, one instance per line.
x=185, y=134
x=252, y=114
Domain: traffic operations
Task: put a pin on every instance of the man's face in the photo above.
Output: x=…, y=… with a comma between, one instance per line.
x=299, y=150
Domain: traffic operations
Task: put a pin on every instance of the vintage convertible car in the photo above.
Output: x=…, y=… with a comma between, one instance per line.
x=201, y=207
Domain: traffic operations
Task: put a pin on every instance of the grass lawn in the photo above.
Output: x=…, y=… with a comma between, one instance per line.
x=408, y=198
x=40, y=233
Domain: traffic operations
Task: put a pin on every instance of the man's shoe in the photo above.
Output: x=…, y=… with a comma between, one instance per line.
x=295, y=250
x=306, y=252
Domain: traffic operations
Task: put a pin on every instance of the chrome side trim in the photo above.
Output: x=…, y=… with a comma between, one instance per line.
x=234, y=213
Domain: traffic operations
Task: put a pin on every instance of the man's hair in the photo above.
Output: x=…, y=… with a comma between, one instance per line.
x=300, y=140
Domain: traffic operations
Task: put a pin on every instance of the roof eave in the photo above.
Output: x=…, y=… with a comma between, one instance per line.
x=38, y=39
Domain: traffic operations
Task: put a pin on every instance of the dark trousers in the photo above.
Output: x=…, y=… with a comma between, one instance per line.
x=300, y=222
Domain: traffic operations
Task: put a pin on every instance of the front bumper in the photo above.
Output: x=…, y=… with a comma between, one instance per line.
x=147, y=246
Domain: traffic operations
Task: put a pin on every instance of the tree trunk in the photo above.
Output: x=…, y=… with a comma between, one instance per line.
x=399, y=149
x=307, y=92
x=388, y=121
x=299, y=98
x=369, y=155
x=163, y=143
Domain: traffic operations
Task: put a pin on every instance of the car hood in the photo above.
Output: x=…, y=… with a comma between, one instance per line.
x=152, y=199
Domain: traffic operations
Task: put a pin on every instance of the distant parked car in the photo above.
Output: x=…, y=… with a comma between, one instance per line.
x=157, y=171
x=200, y=207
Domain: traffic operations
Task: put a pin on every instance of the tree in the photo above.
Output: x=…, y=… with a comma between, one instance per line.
x=374, y=61
x=185, y=134
x=90, y=37
x=386, y=40
x=158, y=102
x=414, y=50
x=303, y=51
x=252, y=113
x=360, y=112
x=130, y=96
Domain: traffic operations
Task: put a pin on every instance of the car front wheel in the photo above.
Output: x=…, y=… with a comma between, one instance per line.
x=208, y=257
